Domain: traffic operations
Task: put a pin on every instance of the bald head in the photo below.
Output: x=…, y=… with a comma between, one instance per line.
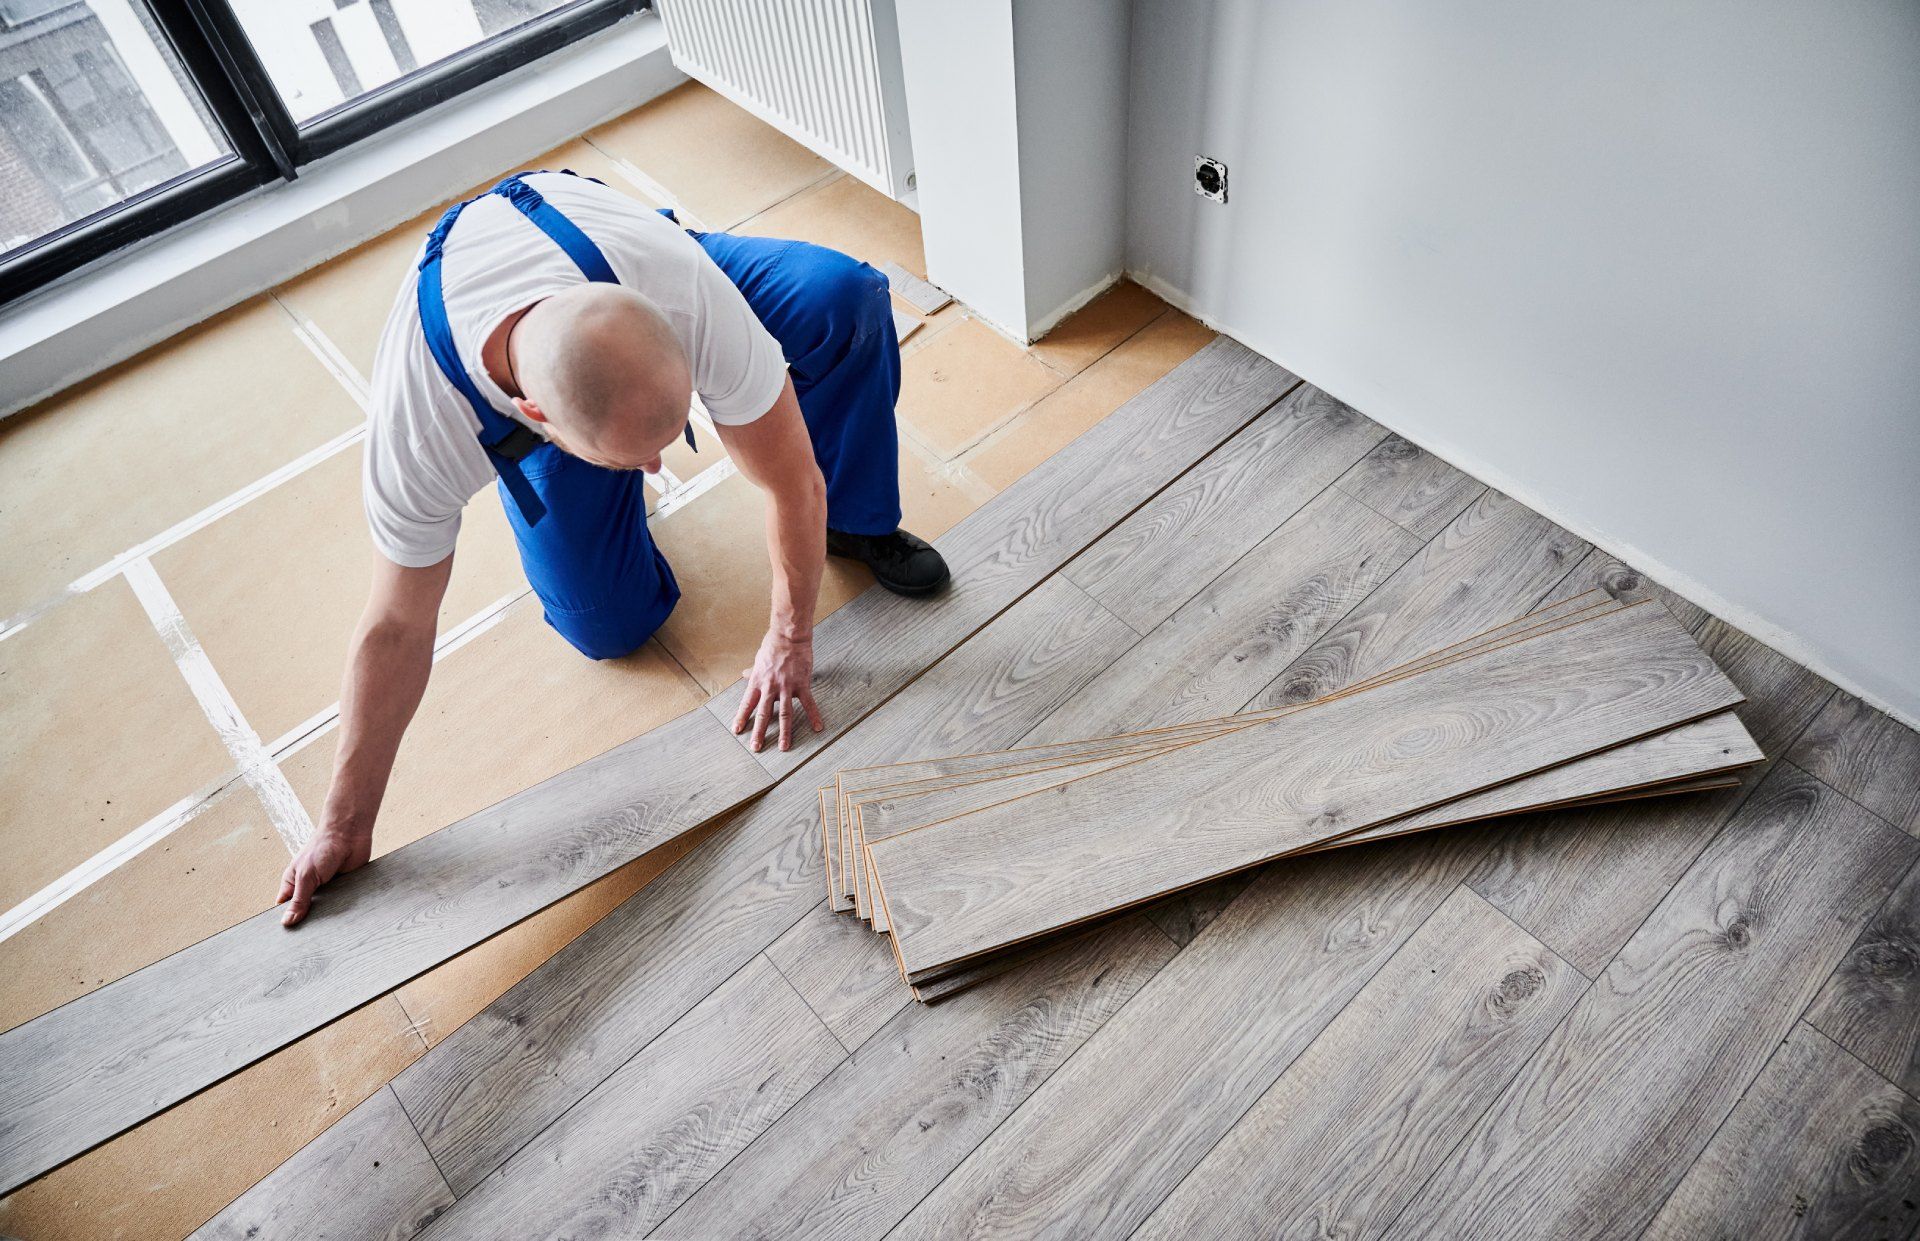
x=606, y=370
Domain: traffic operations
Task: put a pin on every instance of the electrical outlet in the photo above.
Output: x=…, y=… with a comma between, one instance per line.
x=1210, y=178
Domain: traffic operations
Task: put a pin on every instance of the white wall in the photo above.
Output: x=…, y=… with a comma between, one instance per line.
x=1070, y=78
x=1652, y=268
x=1018, y=111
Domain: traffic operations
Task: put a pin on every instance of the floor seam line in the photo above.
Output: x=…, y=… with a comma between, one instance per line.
x=792, y=986
x=1466, y=1131
x=1803, y=1020
x=1042, y=1083
x=1304, y=1049
x=1415, y=533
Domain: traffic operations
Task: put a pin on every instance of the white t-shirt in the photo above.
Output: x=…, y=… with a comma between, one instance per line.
x=424, y=460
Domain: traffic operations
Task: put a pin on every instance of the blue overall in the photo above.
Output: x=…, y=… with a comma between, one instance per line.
x=582, y=528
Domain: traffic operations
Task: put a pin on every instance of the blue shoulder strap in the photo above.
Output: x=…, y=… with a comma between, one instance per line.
x=505, y=440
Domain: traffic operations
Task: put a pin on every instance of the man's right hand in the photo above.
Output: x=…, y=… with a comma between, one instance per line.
x=329, y=853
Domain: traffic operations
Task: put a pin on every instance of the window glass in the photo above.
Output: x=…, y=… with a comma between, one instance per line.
x=94, y=109
x=325, y=53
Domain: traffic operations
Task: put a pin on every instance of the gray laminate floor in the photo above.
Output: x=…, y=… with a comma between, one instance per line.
x=1691, y=1017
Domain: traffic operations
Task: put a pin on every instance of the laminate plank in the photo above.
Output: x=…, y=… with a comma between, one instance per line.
x=846, y=976
x=106, y=1061
x=507, y=1073
x=1871, y=1004
x=371, y=1178
x=1156, y=1088
x=972, y=781
x=932, y=800
x=1820, y=1147
x=1582, y=880
x=1338, y=1144
x=1495, y=551
x=994, y=877
x=1181, y=918
x=1239, y=631
x=925, y=297
x=628, y=1154
x=858, y=1152
x=1410, y=487
x=1114, y=1129
x=880, y=641
x=1600, y=571
x=1599, y=1127
x=1155, y=560
x=1867, y=755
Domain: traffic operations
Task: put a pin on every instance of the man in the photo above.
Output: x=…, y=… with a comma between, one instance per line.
x=552, y=335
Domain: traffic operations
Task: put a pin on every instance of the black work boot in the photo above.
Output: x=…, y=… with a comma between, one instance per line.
x=904, y=564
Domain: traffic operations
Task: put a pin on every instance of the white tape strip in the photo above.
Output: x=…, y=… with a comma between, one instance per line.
x=257, y=767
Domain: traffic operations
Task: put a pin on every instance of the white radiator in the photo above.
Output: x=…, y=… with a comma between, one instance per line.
x=825, y=72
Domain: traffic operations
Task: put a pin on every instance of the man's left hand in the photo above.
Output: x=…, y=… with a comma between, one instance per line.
x=779, y=683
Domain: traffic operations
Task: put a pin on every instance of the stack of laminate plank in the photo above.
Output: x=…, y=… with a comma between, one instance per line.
x=973, y=862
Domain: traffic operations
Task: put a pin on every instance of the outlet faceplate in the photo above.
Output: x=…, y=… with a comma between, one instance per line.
x=1210, y=178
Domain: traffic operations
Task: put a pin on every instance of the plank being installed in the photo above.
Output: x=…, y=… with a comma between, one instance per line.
x=1602, y=1123
x=879, y=641
x=101, y=1063
x=1450, y=730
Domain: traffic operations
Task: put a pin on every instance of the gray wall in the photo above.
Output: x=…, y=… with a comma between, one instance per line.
x=1653, y=268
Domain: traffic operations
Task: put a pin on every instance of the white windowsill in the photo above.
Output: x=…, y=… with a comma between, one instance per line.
x=134, y=298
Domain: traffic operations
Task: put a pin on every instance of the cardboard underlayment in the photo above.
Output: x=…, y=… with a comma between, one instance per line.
x=865, y=806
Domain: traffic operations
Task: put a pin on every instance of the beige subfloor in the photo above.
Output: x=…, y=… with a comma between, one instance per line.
x=134, y=826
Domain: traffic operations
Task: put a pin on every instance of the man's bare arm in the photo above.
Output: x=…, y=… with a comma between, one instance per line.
x=776, y=455
x=387, y=669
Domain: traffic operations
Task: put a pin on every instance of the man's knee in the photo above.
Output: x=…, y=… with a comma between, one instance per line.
x=600, y=636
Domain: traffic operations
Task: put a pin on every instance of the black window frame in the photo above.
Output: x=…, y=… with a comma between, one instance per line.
x=268, y=145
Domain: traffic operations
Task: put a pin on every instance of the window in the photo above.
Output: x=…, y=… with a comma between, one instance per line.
x=120, y=118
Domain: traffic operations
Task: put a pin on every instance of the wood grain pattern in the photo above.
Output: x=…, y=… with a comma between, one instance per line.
x=504, y=1075
x=861, y=1149
x=629, y=1153
x=1157, y=1087
x=1338, y=1144
x=843, y=970
x=371, y=1178
x=1497, y=552
x=877, y=643
x=1410, y=486
x=1239, y=631
x=1867, y=755
x=1600, y=571
x=91, y=1068
x=1155, y=560
x=1602, y=1123
x=922, y=296
x=1871, y=1004
x=1133, y=834
x=1094, y=1151
x=1583, y=880
x=1820, y=1147
x=906, y=806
